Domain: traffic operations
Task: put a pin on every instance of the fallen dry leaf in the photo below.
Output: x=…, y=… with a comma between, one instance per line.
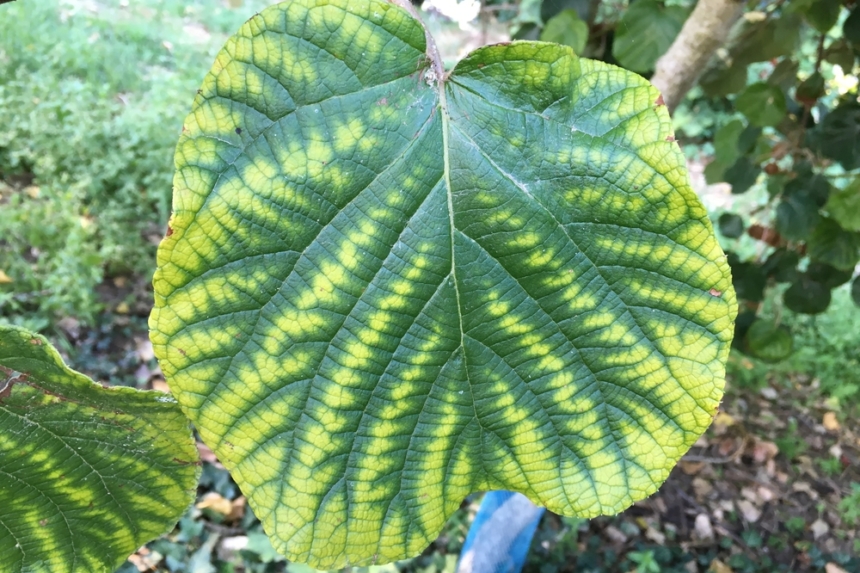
x=819, y=528
x=834, y=568
x=144, y=349
x=764, y=451
x=718, y=566
x=615, y=534
x=750, y=512
x=804, y=487
x=237, y=509
x=702, y=488
x=230, y=546
x=830, y=422
x=727, y=446
x=655, y=536
x=4, y=278
x=769, y=393
x=765, y=493
x=207, y=455
x=216, y=502
x=691, y=468
x=160, y=385
x=703, y=529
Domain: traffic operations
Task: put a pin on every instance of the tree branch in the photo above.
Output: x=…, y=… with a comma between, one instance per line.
x=703, y=33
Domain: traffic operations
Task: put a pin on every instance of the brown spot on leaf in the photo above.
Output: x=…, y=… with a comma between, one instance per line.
x=169, y=231
x=659, y=101
x=383, y=101
x=670, y=138
x=715, y=292
x=43, y=522
x=35, y=342
x=182, y=352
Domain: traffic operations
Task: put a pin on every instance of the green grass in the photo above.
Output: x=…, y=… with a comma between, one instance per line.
x=826, y=352
x=92, y=98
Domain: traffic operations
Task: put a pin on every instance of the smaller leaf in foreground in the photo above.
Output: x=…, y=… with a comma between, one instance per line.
x=87, y=474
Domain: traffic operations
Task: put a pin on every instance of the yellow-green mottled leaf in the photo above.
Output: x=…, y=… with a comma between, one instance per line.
x=87, y=474
x=383, y=289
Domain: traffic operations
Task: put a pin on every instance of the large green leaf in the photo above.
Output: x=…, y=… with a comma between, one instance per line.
x=796, y=215
x=833, y=245
x=844, y=206
x=763, y=104
x=767, y=39
x=567, y=28
x=768, y=341
x=87, y=474
x=383, y=289
x=838, y=135
x=645, y=32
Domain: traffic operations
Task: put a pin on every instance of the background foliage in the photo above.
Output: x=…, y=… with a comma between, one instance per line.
x=92, y=96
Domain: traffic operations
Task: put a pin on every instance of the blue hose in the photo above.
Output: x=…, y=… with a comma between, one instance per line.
x=501, y=534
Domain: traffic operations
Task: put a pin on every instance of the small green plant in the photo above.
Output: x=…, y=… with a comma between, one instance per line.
x=831, y=466
x=795, y=525
x=849, y=507
x=791, y=444
x=645, y=560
